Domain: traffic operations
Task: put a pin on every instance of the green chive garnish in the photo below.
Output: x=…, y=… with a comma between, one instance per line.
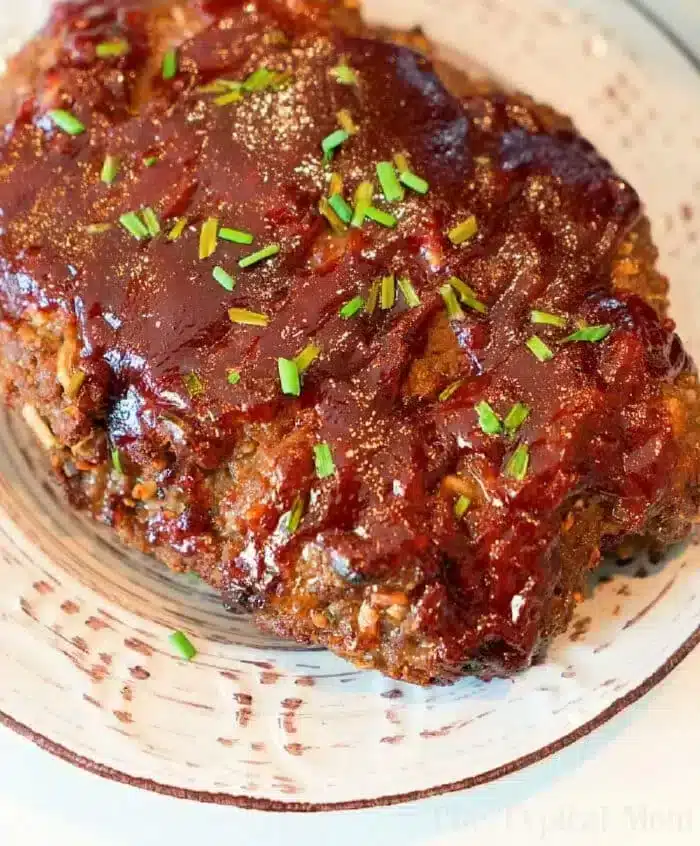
x=236, y=236
x=178, y=229
x=381, y=217
x=151, y=220
x=409, y=292
x=388, y=292
x=539, y=349
x=464, y=231
x=547, y=319
x=346, y=122
x=224, y=279
x=110, y=169
x=263, y=78
x=295, y=515
x=208, y=238
x=518, y=463
x=112, y=49
x=516, y=417
x=194, y=385
x=289, y=377
x=117, y=462
x=450, y=390
x=149, y=161
x=248, y=318
x=344, y=74
x=454, y=312
x=331, y=143
x=307, y=357
x=389, y=182
x=461, y=506
x=219, y=86
x=66, y=121
x=341, y=208
x=134, y=225
x=170, y=64
x=590, y=334
x=363, y=202
x=488, y=419
x=98, y=228
x=233, y=377
x=261, y=255
x=228, y=98
x=372, y=298
x=183, y=645
x=467, y=295
x=415, y=183
x=401, y=162
x=323, y=458
x=352, y=307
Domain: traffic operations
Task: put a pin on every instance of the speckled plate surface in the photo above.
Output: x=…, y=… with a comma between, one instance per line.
x=85, y=667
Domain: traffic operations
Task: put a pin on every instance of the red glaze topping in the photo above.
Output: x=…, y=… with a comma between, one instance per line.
x=551, y=215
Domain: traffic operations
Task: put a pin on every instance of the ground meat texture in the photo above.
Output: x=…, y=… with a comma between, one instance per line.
x=399, y=510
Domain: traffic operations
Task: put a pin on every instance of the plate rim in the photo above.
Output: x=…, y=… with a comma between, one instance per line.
x=246, y=802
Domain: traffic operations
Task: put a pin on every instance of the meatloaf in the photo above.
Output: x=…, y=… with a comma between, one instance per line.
x=379, y=352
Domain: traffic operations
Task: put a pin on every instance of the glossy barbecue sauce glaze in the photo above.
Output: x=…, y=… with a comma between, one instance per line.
x=157, y=337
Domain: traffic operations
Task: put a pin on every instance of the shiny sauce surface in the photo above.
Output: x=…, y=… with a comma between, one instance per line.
x=551, y=216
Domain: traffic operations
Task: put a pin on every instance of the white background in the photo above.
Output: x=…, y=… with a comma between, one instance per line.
x=637, y=780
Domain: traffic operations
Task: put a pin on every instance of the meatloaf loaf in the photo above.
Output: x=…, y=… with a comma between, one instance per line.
x=380, y=353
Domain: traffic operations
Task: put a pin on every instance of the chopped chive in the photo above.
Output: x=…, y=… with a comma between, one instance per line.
x=208, y=238
x=409, y=292
x=372, y=298
x=489, y=421
x=233, y=377
x=66, y=121
x=248, y=318
x=110, y=169
x=346, y=122
x=388, y=292
x=539, y=349
x=177, y=229
x=336, y=223
x=307, y=357
x=224, y=279
x=454, y=312
x=289, y=377
x=323, y=458
x=461, y=506
x=331, y=143
x=391, y=187
x=464, y=231
x=117, y=461
x=149, y=161
x=341, y=208
x=363, y=201
x=236, y=236
x=263, y=78
x=590, y=334
x=183, y=645
x=216, y=87
x=228, y=98
x=335, y=185
x=516, y=417
x=151, y=220
x=401, y=162
x=193, y=383
x=344, y=74
x=352, y=307
x=381, y=217
x=170, y=64
x=415, y=183
x=547, y=319
x=518, y=463
x=112, y=49
x=134, y=225
x=467, y=295
x=295, y=515
x=450, y=390
x=261, y=255
x=97, y=228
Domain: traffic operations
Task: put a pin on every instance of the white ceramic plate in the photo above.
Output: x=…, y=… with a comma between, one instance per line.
x=85, y=669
